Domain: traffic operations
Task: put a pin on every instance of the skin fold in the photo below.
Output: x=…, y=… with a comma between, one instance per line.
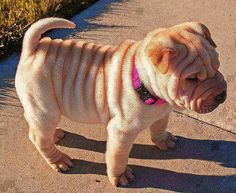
x=91, y=83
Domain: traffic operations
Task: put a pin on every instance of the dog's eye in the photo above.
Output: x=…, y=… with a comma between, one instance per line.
x=192, y=78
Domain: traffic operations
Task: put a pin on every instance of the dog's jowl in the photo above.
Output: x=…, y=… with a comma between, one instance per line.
x=129, y=87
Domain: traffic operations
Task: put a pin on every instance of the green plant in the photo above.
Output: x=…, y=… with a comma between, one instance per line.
x=17, y=15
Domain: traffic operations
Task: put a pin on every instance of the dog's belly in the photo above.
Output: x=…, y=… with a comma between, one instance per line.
x=81, y=83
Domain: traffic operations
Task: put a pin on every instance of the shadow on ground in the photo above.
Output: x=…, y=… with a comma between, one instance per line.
x=7, y=74
x=222, y=152
x=164, y=179
x=211, y=150
x=84, y=21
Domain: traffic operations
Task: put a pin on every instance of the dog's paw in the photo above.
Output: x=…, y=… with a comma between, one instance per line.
x=168, y=143
x=63, y=164
x=124, y=179
x=58, y=135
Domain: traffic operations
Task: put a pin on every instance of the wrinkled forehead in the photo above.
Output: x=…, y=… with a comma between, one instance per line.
x=191, y=26
x=194, y=27
x=184, y=45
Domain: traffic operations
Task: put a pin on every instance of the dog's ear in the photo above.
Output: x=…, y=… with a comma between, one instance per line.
x=160, y=56
x=208, y=35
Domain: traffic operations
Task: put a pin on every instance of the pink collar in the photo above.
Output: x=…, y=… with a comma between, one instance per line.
x=142, y=91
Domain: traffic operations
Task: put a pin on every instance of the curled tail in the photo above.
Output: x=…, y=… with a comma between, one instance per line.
x=34, y=33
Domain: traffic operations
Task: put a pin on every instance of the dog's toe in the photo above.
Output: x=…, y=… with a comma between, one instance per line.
x=168, y=143
x=59, y=134
x=63, y=164
x=123, y=180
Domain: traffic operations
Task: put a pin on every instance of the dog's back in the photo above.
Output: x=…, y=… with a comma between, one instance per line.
x=69, y=76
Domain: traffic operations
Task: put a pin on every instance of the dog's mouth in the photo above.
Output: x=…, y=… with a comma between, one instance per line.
x=212, y=102
x=208, y=108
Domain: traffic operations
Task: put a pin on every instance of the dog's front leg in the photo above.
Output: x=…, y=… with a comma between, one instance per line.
x=119, y=144
x=163, y=140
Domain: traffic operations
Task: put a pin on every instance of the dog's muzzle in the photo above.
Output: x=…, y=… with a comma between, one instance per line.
x=211, y=103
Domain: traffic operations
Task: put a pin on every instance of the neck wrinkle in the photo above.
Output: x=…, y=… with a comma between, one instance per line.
x=146, y=73
x=143, y=75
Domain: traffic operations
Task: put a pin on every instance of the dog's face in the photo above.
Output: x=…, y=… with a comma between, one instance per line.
x=185, y=61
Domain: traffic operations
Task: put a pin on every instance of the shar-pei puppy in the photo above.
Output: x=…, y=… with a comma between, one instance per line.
x=129, y=87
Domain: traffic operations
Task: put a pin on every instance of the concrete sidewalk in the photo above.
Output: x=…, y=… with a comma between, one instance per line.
x=205, y=157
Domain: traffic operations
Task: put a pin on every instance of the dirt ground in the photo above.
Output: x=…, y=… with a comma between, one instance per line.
x=204, y=159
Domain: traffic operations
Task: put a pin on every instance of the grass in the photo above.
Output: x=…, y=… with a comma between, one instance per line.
x=17, y=15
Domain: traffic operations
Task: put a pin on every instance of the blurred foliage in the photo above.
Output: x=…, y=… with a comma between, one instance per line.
x=17, y=15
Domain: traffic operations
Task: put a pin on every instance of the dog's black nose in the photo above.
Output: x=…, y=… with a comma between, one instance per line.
x=220, y=98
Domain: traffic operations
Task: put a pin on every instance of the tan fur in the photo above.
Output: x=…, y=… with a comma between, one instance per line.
x=92, y=84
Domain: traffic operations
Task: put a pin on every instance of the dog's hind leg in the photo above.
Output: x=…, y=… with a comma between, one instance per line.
x=43, y=134
x=34, y=86
x=163, y=139
x=43, y=117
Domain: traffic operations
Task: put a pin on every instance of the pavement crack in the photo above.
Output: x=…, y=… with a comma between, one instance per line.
x=204, y=122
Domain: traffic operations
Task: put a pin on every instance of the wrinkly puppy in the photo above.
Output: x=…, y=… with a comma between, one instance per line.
x=129, y=87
